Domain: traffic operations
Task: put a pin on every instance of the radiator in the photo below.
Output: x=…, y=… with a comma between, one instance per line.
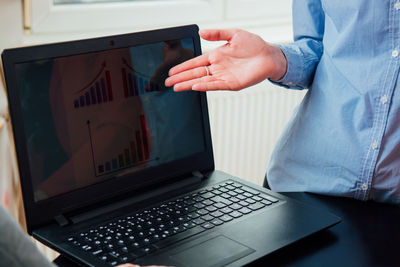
x=245, y=126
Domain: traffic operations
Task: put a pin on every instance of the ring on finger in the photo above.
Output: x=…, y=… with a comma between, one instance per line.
x=207, y=71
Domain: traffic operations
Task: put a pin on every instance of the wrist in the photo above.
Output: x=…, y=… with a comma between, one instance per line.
x=279, y=62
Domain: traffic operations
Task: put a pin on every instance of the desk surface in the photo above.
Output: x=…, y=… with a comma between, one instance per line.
x=369, y=235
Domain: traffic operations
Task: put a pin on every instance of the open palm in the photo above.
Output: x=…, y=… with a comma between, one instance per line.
x=244, y=60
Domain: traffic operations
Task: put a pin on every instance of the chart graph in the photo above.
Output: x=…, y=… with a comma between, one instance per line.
x=135, y=152
x=98, y=91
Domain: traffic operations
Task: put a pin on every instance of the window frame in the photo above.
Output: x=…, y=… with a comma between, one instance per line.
x=268, y=10
x=47, y=17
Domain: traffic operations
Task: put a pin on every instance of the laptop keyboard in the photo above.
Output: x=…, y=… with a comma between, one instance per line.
x=128, y=238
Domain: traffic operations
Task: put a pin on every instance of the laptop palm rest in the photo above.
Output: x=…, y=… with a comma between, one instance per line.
x=220, y=251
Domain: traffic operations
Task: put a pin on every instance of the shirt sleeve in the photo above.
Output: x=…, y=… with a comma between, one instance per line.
x=16, y=249
x=304, y=53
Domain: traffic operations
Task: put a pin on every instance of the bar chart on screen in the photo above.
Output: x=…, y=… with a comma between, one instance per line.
x=98, y=90
x=136, y=152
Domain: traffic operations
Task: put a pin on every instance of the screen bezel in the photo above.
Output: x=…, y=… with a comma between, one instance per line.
x=44, y=211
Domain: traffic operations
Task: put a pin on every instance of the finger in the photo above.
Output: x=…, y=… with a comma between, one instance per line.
x=190, y=64
x=217, y=34
x=210, y=86
x=187, y=85
x=186, y=76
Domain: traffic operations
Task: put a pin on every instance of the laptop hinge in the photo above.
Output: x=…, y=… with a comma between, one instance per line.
x=198, y=174
x=61, y=220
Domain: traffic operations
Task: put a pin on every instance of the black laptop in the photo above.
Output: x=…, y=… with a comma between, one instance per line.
x=117, y=168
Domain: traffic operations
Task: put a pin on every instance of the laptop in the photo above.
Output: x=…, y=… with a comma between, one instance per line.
x=117, y=168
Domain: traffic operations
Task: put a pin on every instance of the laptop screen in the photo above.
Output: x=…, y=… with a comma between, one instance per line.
x=96, y=116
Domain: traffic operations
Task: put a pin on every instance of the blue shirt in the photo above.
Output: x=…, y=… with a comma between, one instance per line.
x=344, y=138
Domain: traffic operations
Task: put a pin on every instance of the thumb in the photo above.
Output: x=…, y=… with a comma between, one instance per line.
x=218, y=34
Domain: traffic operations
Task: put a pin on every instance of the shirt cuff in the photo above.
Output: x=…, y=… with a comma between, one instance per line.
x=295, y=68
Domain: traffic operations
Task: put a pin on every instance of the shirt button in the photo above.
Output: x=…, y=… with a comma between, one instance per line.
x=397, y=5
x=374, y=145
x=384, y=99
x=364, y=187
x=395, y=53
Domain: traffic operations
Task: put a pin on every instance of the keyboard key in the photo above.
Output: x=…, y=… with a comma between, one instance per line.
x=226, y=210
x=217, y=192
x=219, y=205
x=207, y=217
x=202, y=212
x=207, y=225
x=217, y=222
x=230, y=187
x=235, y=206
x=257, y=198
x=199, y=205
x=232, y=193
x=247, y=194
x=223, y=190
x=189, y=225
x=207, y=202
x=234, y=199
x=256, y=206
x=266, y=202
x=208, y=195
x=272, y=199
x=103, y=257
x=244, y=203
x=198, y=198
x=148, y=249
x=216, y=214
x=193, y=215
x=235, y=214
x=198, y=221
x=226, y=218
x=220, y=199
x=245, y=210
x=211, y=208
x=225, y=196
x=98, y=251
x=250, y=200
x=113, y=263
x=239, y=191
x=241, y=197
x=252, y=191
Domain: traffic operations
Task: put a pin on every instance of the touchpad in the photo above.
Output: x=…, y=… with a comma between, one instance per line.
x=217, y=251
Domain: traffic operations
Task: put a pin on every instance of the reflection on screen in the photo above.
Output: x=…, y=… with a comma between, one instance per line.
x=91, y=117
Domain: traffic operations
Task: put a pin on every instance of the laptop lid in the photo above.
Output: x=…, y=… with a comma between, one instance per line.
x=92, y=119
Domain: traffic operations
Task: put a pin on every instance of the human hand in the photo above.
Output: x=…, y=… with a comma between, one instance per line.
x=246, y=59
